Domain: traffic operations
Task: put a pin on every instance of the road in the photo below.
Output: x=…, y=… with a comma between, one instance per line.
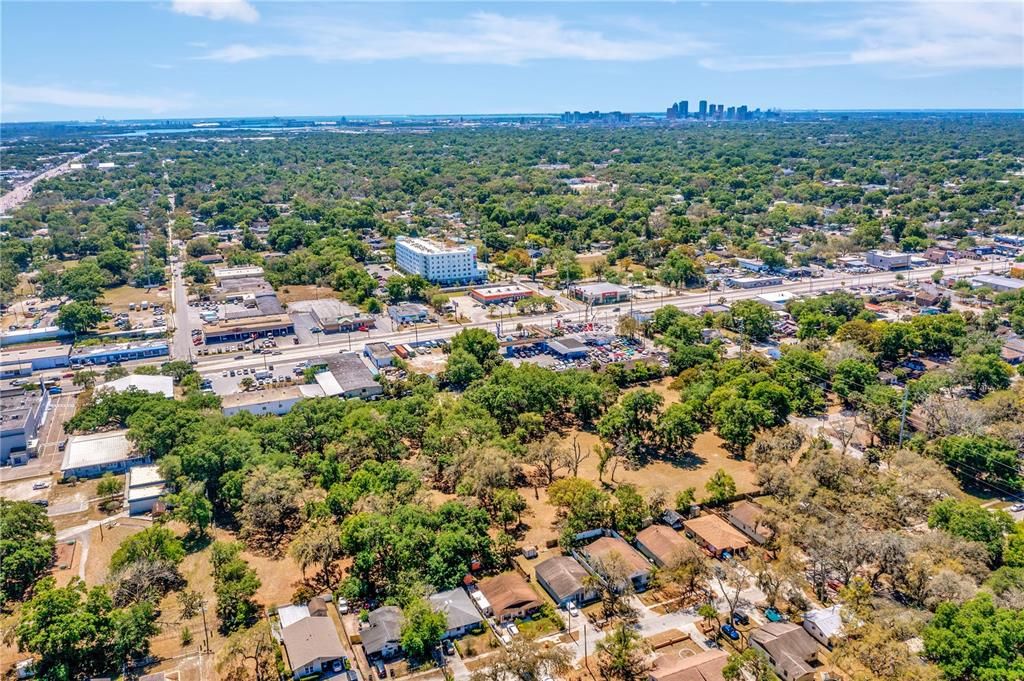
x=21, y=193
x=218, y=363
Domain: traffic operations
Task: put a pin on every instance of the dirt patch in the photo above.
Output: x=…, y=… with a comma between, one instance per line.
x=103, y=542
x=292, y=293
x=430, y=364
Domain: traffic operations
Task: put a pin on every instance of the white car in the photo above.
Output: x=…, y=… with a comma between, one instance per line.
x=572, y=609
x=513, y=630
x=42, y=484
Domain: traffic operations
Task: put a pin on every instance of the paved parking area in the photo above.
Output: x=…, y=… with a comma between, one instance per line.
x=47, y=462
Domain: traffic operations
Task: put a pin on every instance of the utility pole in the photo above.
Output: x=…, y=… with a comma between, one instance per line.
x=903, y=414
x=206, y=630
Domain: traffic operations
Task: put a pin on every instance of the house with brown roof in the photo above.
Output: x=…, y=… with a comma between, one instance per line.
x=510, y=596
x=564, y=579
x=663, y=545
x=790, y=650
x=704, y=666
x=716, y=535
x=609, y=549
x=748, y=518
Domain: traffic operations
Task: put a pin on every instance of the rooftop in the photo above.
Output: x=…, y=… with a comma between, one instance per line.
x=457, y=607
x=562, y=574
x=97, y=449
x=828, y=620
x=243, y=271
x=704, y=666
x=509, y=591
x=251, y=397
x=716, y=532
x=665, y=544
x=600, y=288
x=349, y=373
x=792, y=648
x=161, y=385
x=143, y=476
x=15, y=410
x=39, y=352
x=603, y=548
x=385, y=627
x=310, y=639
x=99, y=350
x=429, y=246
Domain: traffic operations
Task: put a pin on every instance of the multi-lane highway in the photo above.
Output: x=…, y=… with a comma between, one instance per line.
x=692, y=301
x=18, y=195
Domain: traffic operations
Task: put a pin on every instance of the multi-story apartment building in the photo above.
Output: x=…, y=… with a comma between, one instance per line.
x=437, y=262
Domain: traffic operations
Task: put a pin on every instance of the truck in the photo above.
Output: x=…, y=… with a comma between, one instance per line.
x=263, y=373
x=145, y=304
x=401, y=351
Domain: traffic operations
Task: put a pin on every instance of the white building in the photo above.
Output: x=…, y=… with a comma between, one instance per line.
x=277, y=401
x=89, y=456
x=888, y=260
x=997, y=283
x=143, y=487
x=160, y=385
x=437, y=262
x=825, y=624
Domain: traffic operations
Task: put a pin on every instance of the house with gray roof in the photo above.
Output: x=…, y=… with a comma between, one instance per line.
x=382, y=637
x=459, y=611
x=563, y=578
x=790, y=650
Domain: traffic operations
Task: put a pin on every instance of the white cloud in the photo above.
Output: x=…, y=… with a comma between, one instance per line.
x=19, y=97
x=481, y=38
x=917, y=35
x=235, y=10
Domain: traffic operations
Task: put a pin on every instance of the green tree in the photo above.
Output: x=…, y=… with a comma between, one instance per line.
x=422, y=628
x=621, y=654
x=463, y=368
x=235, y=584
x=752, y=319
x=78, y=317
x=983, y=373
x=976, y=640
x=479, y=343
x=153, y=543
x=720, y=487
x=193, y=508
x=969, y=520
x=750, y=665
x=83, y=283
x=852, y=377
x=26, y=547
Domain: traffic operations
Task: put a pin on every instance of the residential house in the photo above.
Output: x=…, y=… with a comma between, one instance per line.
x=144, y=485
x=704, y=666
x=663, y=545
x=614, y=548
x=382, y=637
x=459, y=611
x=748, y=518
x=311, y=644
x=1013, y=351
x=716, y=535
x=564, y=579
x=790, y=650
x=510, y=596
x=824, y=624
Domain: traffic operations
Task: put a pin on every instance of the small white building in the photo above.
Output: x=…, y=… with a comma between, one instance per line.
x=603, y=293
x=776, y=300
x=160, y=385
x=143, y=487
x=276, y=401
x=824, y=624
x=997, y=283
x=89, y=456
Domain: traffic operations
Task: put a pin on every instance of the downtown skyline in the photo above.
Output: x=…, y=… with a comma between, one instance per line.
x=233, y=58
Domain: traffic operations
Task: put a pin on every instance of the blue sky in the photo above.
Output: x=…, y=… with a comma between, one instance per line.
x=197, y=58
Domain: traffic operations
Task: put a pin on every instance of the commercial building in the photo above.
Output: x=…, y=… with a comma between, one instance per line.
x=776, y=300
x=408, y=313
x=564, y=578
x=499, y=295
x=143, y=488
x=333, y=316
x=40, y=333
x=89, y=456
x=24, y=361
x=248, y=328
x=568, y=348
x=437, y=262
x=752, y=264
x=888, y=260
x=379, y=354
x=461, y=615
x=997, y=283
x=275, y=401
x=602, y=293
x=159, y=385
x=21, y=415
x=121, y=352
x=222, y=273
x=753, y=282
x=347, y=376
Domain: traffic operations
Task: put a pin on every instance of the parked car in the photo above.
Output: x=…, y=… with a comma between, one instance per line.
x=731, y=632
x=343, y=606
x=572, y=609
x=337, y=666
x=41, y=484
x=63, y=445
x=448, y=646
x=740, y=618
x=512, y=629
x=773, y=615
x=382, y=672
x=1016, y=508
